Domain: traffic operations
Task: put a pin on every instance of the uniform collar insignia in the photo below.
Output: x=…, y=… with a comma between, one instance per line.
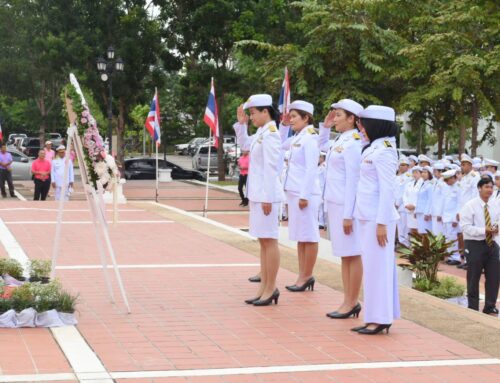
x=387, y=144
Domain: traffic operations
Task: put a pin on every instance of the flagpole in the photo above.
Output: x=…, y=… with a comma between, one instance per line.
x=205, y=208
x=156, y=150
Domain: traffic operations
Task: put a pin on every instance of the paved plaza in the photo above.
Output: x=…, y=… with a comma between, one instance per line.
x=186, y=280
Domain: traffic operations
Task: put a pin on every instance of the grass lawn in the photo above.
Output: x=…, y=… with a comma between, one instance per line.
x=225, y=183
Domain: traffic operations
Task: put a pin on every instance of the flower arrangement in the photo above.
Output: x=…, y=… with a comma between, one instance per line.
x=39, y=270
x=100, y=165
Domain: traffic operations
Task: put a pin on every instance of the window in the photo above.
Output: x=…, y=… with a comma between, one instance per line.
x=204, y=150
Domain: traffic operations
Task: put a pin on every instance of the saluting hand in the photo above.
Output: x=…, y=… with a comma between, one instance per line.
x=382, y=235
x=329, y=119
x=347, y=224
x=241, y=115
x=267, y=207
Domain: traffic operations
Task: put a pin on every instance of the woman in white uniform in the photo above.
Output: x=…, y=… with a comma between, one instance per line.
x=264, y=189
x=301, y=185
x=410, y=197
x=377, y=217
x=424, y=201
x=342, y=176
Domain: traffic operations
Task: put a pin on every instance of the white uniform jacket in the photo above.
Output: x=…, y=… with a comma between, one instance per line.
x=451, y=206
x=424, y=198
x=410, y=195
x=468, y=187
x=266, y=162
x=401, y=181
x=343, y=162
x=437, y=198
x=301, y=177
x=495, y=198
x=375, y=198
x=57, y=172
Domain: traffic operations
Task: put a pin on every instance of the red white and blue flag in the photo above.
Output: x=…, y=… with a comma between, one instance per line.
x=211, y=117
x=284, y=101
x=153, y=120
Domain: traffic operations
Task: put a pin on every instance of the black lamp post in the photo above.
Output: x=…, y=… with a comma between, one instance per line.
x=107, y=68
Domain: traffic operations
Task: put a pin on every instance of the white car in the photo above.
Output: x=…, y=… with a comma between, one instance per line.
x=21, y=165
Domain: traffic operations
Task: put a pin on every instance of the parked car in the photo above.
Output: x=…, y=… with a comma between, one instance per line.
x=232, y=151
x=200, y=159
x=56, y=139
x=13, y=136
x=182, y=149
x=21, y=165
x=144, y=168
x=193, y=147
x=30, y=146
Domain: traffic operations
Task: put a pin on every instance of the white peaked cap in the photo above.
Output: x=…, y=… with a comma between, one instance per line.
x=477, y=160
x=465, y=158
x=439, y=165
x=404, y=161
x=303, y=106
x=477, y=165
x=449, y=158
x=497, y=173
x=413, y=158
x=488, y=162
x=449, y=174
x=456, y=167
x=258, y=100
x=415, y=168
x=378, y=112
x=61, y=147
x=423, y=157
x=349, y=105
x=428, y=168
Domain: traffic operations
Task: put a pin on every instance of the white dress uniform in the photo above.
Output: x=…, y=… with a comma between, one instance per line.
x=375, y=204
x=322, y=182
x=301, y=182
x=451, y=207
x=423, y=207
x=57, y=176
x=410, y=197
x=468, y=187
x=342, y=175
x=437, y=207
x=263, y=183
x=401, y=181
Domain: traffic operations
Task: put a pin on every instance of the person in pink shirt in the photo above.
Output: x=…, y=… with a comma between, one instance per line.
x=50, y=154
x=243, y=163
x=41, y=175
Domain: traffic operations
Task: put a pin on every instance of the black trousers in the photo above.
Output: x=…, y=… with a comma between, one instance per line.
x=242, y=181
x=5, y=175
x=482, y=257
x=41, y=189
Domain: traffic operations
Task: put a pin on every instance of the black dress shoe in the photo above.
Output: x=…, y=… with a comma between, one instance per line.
x=308, y=285
x=354, y=312
x=255, y=279
x=356, y=329
x=490, y=310
x=251, y=301
x=266, y=302
x=376, y=330
x=13, y=195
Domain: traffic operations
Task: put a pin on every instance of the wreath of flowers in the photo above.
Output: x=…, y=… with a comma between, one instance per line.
x=100, y=165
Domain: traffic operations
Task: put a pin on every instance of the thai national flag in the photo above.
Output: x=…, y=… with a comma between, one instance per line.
x=153, y=120
x=211, y=117
x=284, y=101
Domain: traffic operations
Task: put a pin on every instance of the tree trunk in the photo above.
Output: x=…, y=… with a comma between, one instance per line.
x=221, y=165
x=463, y=137
x=440, y=134
x=475, y=122
x=120, y=131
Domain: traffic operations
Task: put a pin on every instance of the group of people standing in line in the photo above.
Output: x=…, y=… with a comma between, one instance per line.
x=358, y=194
x=48, y=170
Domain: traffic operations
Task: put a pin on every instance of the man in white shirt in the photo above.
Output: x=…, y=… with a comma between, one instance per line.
x=57, y=174
x=479, y=221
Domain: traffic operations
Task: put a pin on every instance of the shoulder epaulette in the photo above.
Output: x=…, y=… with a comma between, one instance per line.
x=387, y=144
x=473, y=173
x=356, y=136
x=311, y=131
x=272, y=128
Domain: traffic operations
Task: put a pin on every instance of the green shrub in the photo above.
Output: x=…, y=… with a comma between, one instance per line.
x=12, y=267
x=448, y=287
x=40, y=268
x=22, y=297
x=66, y=302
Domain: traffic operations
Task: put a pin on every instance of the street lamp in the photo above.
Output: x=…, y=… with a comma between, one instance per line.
x=107, y=68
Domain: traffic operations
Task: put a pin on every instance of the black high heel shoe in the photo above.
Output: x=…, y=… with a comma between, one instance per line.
x=268, y=301
x=376, y=330
x=356, y=329
x=308, y=285
x=354, y=312
x=251, y=301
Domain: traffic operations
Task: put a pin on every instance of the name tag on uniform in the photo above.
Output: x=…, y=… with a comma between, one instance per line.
x=296, y=145
x=368, y=161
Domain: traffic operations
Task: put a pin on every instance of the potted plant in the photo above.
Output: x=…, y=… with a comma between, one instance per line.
x=12, y=267
x=40, y=270
x=424, y=254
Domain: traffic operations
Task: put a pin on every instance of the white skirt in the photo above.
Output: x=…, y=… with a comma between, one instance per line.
x=264, y=226
x=342, y=245
x=422, y=224
x=303, y=225
x=411, y=220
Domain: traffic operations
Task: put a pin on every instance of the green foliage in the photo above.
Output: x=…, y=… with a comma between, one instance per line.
x=12, y=267
x=424, y=254
x=40, y=268
x=22, y=297
x=447, y=287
